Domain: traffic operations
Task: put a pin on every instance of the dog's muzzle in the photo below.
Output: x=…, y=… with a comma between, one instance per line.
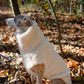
x=11, y=22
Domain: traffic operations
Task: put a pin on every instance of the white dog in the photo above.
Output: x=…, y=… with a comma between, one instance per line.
x=39, y=57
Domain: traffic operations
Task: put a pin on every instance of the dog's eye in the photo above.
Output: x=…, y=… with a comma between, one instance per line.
x=24, y=19
x=19, y=24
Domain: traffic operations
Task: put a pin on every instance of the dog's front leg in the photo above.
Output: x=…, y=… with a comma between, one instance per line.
x=39, y=77
x=38, y=70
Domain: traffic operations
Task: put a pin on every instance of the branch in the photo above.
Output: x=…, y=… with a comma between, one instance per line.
x=58, y=26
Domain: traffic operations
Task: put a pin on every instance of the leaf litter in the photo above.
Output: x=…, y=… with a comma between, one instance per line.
x=13, y=71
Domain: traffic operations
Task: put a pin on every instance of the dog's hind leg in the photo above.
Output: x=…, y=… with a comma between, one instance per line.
x=38, y=70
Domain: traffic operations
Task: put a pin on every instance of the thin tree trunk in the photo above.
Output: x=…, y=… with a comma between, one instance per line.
x=75, y=2
x=15, y=7
x=67, y=5
x=81, y=8
x=70, y=6
x=58, y=26
x=3, y=1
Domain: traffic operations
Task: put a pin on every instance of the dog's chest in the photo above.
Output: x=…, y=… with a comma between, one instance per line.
x=28, y=62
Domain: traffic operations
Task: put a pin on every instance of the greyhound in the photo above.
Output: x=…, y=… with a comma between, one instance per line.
x=39, y=57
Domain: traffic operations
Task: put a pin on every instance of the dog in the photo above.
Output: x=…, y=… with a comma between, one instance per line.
x=39, y=57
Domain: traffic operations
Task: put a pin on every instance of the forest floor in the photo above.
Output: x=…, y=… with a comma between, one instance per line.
x=72, y=31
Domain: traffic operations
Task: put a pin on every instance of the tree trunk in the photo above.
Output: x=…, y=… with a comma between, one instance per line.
x=67, y=5
x=15, y=7
x=70, y=6
x=81, y=8
x=3, y=1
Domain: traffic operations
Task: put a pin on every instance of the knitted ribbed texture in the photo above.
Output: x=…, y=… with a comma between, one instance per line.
x=36, y=49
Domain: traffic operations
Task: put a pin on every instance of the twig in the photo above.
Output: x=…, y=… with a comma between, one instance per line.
x=58, y=26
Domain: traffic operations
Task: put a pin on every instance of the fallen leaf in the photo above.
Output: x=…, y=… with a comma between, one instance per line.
x=72, y=63
x=4, y=73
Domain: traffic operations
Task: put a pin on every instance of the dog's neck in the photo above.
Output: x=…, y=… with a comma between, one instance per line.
x=23, y=29
x=32, y=36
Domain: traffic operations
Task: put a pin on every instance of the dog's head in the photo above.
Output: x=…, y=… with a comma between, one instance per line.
x=20, y=22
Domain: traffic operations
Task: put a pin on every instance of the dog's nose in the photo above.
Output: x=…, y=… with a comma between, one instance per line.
x=9, y=21
x=6, y=21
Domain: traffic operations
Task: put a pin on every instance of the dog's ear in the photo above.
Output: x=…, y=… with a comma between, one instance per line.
x=31, y=16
